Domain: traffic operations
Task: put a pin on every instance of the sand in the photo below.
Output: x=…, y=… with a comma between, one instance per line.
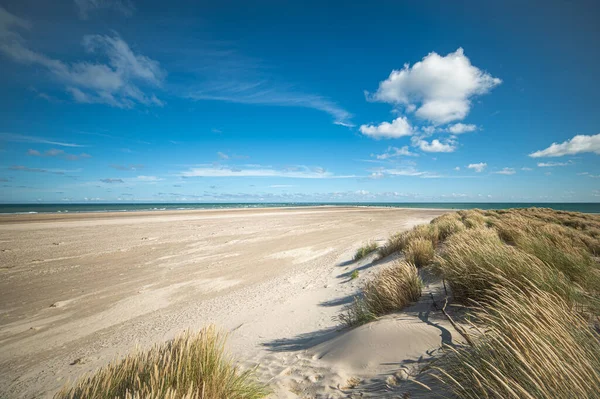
x=78, y=290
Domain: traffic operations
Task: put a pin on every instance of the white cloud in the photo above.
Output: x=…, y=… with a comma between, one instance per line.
x=506, y=171
x=436, y=146
x=478, y=167
x=393, y=152
x=297, y=172
x=124, y=7
x=399, y=127
x=115, y=83
x=222, y=155
x=438, y=88
x=525, y=168
x=577, y=145
x=553, y=164
x=20, y=138
x=460, y=128
x=263, y=92
x=148, y=178
x=457, y=168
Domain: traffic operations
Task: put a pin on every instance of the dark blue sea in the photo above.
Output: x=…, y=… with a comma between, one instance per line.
x=132, y=207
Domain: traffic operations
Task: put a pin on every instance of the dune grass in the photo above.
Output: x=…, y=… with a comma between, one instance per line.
x=534, y=346
x=391, y=289
x=419, y=252
x=365, y=250
x=192, y=366
x=532, y=278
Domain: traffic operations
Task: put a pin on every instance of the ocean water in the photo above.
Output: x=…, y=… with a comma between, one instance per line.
x=132, y=207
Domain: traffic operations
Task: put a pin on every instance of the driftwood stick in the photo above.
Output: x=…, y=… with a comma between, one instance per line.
x=458, y=328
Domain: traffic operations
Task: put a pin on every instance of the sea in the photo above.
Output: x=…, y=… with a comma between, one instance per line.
x=587, y=207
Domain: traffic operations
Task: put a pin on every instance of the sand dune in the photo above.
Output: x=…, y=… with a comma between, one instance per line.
x=78, y=290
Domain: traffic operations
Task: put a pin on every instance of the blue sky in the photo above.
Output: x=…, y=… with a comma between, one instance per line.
x=124, y=100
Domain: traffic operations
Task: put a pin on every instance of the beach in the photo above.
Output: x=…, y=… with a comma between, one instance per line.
x=79, y=290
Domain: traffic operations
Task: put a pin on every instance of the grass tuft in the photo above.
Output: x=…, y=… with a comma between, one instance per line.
x=391, y=289
x=419, y=252
x=192, y=366
x=365, y=250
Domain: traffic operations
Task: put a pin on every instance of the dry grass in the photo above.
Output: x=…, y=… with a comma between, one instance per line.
x=533, y=346
x=399, y=242
x=390, y=290
x=533, y=278
x=365, y=250
x=192, y=366
x=419, y=252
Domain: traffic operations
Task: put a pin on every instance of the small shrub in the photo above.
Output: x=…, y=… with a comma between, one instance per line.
x=390, y=290
x=419, y=252
x=192, y=366
x=365, y=250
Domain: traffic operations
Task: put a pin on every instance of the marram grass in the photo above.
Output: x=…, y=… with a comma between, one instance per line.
x=391, y=289
x=192, y=366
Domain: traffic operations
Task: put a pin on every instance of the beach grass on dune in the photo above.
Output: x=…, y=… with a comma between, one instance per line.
x=533, y=346
x=192, y=366
x=391, y=289
x=532, y=280
x=365, y=250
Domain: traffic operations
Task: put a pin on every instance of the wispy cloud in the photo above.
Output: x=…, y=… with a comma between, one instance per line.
x=506, y=171
x=111, y=181
x=296, y=172
x=58, y=154
x=395, y=152
x=553, y=164
x=22, y=168
x=127, y=167
x=20, y=138
x=267, y=93
x=124, y=7
x=116, y=82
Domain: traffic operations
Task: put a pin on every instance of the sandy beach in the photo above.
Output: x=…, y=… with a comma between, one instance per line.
x=78, y=290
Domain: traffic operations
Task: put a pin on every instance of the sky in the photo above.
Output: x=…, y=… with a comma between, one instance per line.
x=281, y=101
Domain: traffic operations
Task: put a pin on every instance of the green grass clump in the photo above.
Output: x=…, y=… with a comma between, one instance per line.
x=533, y=346
x=391, y=289
x=365, y=250
x=192, y=366
x=419, y=252
x=354, y=275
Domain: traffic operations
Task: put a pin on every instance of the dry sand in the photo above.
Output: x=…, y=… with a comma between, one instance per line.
x=78, y=290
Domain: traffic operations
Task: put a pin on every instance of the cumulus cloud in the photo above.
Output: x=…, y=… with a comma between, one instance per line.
x=436, y=145
x=577, y=145
x=399, y=127
x=506, y=171
x=478, y=167
x=438, y=88
x=85, y=7
x=460, y=128
x=394, y=152
x=116, y=82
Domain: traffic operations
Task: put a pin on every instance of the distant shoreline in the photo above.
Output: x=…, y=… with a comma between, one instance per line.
x=16, y=209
